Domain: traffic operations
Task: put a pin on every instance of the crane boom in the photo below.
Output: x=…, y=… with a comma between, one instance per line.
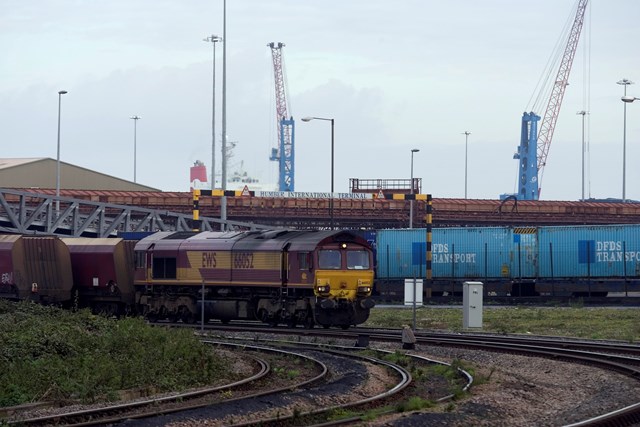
x=284, y=154
x=535, y=145
x=557, y=94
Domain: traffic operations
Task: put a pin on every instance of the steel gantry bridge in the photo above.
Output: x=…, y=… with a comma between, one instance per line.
x=33, y=213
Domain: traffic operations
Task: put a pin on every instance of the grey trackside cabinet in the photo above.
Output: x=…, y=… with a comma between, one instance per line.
x=472, y=305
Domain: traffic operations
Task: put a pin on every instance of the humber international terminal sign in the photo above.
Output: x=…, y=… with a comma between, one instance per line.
x=312, y=195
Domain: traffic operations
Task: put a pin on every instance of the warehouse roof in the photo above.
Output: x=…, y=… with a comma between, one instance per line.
x=41, y=172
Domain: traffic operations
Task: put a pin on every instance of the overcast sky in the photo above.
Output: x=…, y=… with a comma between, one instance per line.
x=395, y=75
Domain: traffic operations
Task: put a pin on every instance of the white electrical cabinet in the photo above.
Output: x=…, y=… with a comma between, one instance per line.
x=472, y=305
x=409, y=288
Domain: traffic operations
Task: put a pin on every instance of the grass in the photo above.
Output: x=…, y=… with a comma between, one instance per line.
x=577, y=321
x=53, y=354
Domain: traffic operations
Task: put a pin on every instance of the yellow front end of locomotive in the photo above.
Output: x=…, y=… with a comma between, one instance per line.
x=343, y=285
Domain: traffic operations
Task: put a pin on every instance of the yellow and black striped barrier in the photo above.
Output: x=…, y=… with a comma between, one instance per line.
x=381, y=196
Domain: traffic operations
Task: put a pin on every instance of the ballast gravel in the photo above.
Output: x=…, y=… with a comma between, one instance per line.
x=523, y=391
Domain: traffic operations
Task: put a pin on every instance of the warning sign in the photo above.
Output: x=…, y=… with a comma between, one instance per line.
x=380, y=194
x=245, y=191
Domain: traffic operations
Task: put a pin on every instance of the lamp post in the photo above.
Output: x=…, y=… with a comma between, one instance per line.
x=413, y=150
x=308, y=119
x=213, y=39
x=582, y=113
x=625, y=83
x=223, y=175
x=135, y=133
x=60, y=93
x=628, y=100
x=466, y=134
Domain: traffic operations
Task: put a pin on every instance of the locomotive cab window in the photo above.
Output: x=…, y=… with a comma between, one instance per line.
x=357, y=260
x=329, y=259
x=164, y=268
x=304, y=261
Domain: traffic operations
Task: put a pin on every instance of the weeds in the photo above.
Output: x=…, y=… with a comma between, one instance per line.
x=48, y=353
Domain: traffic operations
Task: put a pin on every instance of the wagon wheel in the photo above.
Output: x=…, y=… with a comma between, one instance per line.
x=291, y=322
x=186, y=315
x=263, y=315
x=309, y=323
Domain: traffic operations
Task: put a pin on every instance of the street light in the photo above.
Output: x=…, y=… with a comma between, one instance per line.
x=466, y=134
x=60, y=93
x=627, y=100
x=308, y=119
x=582, y=113
x=213, y=39
x=625, y=83
x=413, y=150
x=135, y=131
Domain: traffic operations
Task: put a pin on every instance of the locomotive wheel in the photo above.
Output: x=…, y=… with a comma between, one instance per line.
x=326, y=326
x=291, y=322
x=345, y=327
x=187, y=316
x=309, y=323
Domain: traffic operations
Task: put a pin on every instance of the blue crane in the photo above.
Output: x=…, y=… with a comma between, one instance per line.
x=534, y=146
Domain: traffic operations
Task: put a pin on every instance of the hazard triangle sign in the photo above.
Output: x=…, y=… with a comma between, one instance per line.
x=380, y=195
x=245, y=191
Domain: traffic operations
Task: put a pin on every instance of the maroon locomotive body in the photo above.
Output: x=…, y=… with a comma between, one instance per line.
x=293, y=277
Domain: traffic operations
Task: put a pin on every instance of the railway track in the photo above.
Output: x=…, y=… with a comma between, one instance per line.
x=290, y=402
x=612, y=356
x=269, y=397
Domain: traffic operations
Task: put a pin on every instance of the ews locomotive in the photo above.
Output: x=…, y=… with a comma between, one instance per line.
x=280, y=276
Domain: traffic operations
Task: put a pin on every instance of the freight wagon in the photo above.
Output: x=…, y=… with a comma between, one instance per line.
x=513, y=261
x=36, y=268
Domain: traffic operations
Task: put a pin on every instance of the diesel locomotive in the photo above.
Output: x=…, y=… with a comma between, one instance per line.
x=281, y=276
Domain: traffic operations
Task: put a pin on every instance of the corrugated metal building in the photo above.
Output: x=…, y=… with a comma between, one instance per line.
x=41, y=173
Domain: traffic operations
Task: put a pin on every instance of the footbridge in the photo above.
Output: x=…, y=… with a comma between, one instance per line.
x=33, y=213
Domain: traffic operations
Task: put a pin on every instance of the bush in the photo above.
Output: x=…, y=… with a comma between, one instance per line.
x=51, y=354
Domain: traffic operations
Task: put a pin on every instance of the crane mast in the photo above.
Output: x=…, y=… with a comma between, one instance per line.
x=534, y=145
x=284, y=154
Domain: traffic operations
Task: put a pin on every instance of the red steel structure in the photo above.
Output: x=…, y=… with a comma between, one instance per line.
x=374, y=213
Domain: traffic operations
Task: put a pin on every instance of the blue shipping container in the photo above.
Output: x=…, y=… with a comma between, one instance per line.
x=467, y=252
x=589, y=251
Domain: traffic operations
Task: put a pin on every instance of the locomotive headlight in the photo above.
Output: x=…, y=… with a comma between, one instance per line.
x=323, y=289
x=364, y=290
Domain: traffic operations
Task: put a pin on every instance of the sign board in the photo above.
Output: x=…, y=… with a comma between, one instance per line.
x=409, y=287
x=313, y=195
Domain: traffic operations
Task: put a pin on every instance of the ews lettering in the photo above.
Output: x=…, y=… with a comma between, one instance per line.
x=242, y=260
x=208, y=259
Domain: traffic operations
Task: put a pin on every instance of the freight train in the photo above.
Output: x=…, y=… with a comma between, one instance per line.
x=294, y=277
x=511, y=261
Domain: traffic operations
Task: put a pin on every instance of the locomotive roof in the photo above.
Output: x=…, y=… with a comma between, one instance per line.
x=295, y=240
